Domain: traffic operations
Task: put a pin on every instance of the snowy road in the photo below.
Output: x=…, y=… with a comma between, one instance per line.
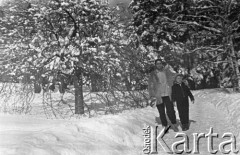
x=203, y=116
x=117, y=134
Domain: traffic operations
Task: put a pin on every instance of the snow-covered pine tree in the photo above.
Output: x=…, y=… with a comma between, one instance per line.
x=59, y=37
x=208, y=28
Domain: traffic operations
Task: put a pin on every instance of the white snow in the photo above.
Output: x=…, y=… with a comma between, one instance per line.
x=111, y=134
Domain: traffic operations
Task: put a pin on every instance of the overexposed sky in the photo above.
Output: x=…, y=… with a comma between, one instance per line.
x=1, y=1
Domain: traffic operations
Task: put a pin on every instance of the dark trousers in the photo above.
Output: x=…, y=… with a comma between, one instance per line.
x=170, y=111
x=183, y=110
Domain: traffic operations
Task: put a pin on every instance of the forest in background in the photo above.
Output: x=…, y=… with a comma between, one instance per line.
x=91, y=46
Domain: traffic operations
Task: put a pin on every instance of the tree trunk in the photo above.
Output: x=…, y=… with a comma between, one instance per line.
x=77, y=81
x=37, y=88
x=127, y=84
x=93, y=83
x=235, y=66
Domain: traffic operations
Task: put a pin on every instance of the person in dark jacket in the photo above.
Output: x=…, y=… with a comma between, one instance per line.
x=180, y=94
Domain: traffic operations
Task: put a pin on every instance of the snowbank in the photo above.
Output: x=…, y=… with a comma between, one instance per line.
x=109, y=134
x=228, y=102
x=105, y=134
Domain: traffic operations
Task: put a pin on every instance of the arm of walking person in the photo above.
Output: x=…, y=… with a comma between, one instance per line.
x=170, y=72
x=190, y=94
x=151, y=86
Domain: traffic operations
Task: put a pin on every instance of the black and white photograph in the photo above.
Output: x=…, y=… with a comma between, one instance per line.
x=119, y=77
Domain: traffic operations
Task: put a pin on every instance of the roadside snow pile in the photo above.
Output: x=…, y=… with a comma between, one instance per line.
x=104, y=134
x=228, y=102
x=109, y=134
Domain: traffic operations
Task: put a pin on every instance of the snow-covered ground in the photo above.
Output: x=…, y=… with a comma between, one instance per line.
x=115, y=134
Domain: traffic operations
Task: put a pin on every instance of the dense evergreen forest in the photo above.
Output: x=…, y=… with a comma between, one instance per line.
x=110, y=46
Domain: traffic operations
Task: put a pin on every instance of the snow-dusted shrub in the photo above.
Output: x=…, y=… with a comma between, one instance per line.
x=16, y=97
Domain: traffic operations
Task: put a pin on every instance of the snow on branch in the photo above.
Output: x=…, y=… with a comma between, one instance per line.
x=194, y=23
x=206, y=8
x=208, y=49
x=206, y=1
x=202, y=16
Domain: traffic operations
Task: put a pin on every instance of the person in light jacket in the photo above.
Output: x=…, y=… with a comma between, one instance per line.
x=159, y=86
